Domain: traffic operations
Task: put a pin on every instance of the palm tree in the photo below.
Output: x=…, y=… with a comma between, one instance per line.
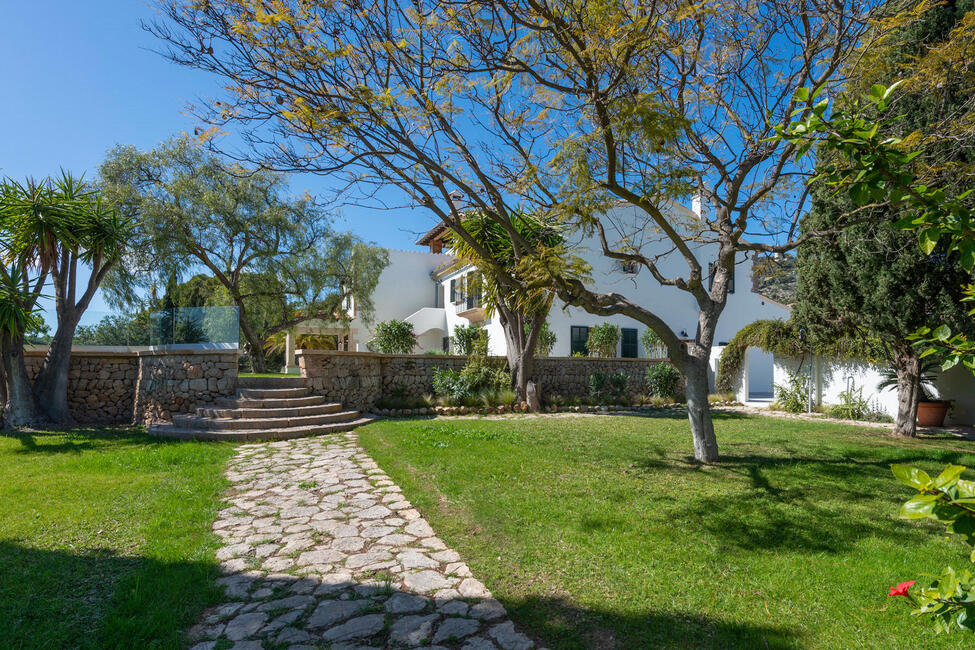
x=51, y=226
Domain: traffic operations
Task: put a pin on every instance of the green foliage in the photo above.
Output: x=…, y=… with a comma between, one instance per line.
x=662, y=380
x=118, y=329
x=786, y=339
x=872, y=165
x=653, y=345
x=276, y=256
x=854, y=406
x=949, y=599
x=794, y=396
x=475, y=382
x=603, y=340
x=609, y=388
x=470, y=340
x=546, y=340
x=394, y=337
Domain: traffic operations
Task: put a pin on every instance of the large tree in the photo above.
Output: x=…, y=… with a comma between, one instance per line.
x=194, y=210
x=521, y=313
x=50, y=228
x=561, y=109
x=872, y=279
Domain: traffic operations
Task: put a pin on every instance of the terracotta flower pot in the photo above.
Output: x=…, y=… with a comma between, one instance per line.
x=932, y=414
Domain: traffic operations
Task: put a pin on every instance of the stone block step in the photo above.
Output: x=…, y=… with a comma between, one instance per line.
x=227, y=424
x=271, y=382
x=277, y=402
x=180, y=433
x=273, y=412
x=271, y=393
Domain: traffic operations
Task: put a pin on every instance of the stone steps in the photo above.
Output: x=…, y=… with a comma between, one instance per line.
x=225, y=424
x=282, y=402
x=271, y=412
x=172, y=431
x=271, y=393
x=265, y=408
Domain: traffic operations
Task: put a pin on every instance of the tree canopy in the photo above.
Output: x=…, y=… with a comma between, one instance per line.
x=268, y=251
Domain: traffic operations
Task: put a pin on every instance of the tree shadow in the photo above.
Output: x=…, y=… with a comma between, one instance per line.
x=796, y=502
x=82, y=438
x=98, y=598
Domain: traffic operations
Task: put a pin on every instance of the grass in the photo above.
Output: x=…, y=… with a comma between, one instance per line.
x=268, y=374
x=599, y=532
x=105, y=537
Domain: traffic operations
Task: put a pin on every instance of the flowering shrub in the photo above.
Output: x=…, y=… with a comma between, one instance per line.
x=950, y=499
x=603, y=340
x=608, y=388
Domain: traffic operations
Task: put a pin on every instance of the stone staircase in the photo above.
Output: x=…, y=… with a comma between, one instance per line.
x=266, y=408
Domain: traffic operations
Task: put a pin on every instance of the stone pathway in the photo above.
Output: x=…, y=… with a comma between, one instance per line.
x=321, y=550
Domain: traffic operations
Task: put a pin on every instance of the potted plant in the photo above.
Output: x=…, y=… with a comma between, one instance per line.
x=931, y=412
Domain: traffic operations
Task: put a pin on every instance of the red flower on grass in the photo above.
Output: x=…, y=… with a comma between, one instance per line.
x=901, y=589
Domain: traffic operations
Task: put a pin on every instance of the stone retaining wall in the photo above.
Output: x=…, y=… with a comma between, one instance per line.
x=359, y=379
x=100, y=384
x=178, y=381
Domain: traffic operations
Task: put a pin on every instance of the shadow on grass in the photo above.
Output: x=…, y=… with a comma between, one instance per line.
x=95, y=598
x=82, y=438
x=799, y=503
x=560, y=623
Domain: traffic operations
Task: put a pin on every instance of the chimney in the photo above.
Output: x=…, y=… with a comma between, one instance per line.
x=455, y=200
x=698, y=205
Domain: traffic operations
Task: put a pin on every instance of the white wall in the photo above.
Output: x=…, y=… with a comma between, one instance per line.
x=760, y=371
x=830, y=378
x=404, y=287
x=678, y=308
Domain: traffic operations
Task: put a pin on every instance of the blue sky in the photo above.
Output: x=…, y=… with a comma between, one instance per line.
x=81, y=77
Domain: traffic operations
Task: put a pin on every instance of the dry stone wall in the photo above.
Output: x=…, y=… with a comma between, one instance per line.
x=179, y=381
x=359, y=379
x=100, y=384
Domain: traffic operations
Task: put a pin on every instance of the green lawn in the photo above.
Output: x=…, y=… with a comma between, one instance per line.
x=105, y=537
x=598, y=532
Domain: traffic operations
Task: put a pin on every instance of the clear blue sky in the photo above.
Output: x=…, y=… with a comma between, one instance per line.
x=81, y=77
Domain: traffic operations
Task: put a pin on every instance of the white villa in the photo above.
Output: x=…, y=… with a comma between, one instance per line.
x=427, y=289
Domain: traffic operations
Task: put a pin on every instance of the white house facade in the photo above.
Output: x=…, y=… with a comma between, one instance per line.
x=431, y=291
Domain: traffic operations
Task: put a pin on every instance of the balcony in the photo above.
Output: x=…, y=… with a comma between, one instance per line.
x=427, y=319
x=471, y=309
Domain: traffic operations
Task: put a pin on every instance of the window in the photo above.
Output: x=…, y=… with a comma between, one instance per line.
x=578, y=335
x=473, y=290
x=453, y=291
x=445, y=345
x=712, y=267
x=628, y=344
x=628, y=266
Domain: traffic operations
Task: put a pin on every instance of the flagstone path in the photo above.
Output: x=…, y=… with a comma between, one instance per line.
x=321, y=550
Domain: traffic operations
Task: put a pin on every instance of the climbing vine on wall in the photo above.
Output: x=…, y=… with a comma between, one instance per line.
x=786, y=339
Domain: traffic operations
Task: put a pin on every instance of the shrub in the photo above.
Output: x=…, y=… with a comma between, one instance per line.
x=662, y=380
x=653, y=344
x=853, y=406
x=947, y=499
x=470, y=340
x=394, y=337
x=794, y=396
x=608, y=388
x=546, y=341
x=469, y=385
x=603, y=340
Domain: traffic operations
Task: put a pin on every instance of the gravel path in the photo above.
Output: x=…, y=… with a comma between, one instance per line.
x=321, y=550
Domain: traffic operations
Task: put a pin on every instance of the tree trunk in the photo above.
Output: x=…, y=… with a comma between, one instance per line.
x=21, y=406
x=51, y=385
x=522, y=366
x=695, y=373
x=520, y=351
x=908, y=368
x=256, y=345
